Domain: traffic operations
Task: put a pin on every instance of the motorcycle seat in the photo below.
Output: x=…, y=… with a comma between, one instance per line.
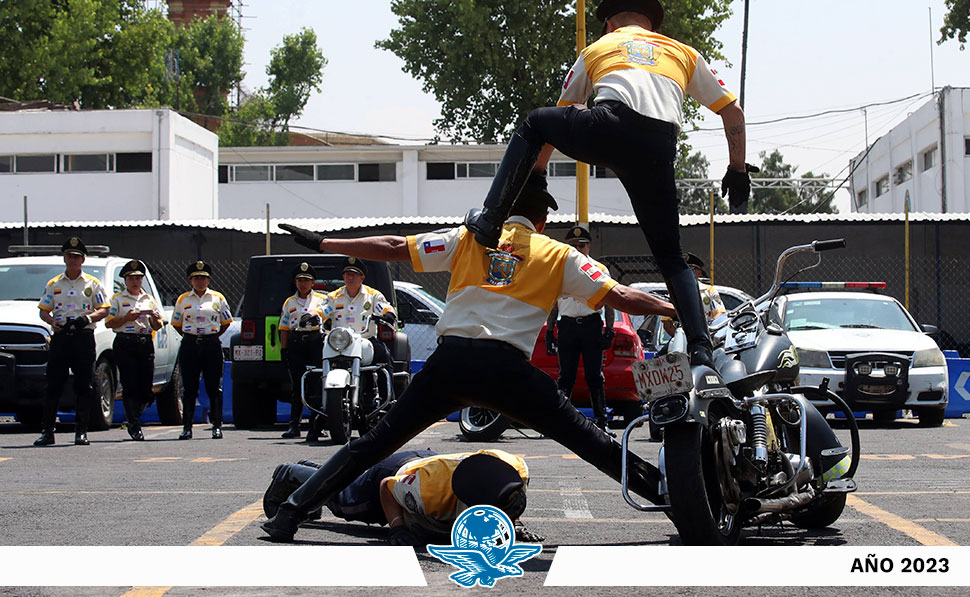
x=739, y=381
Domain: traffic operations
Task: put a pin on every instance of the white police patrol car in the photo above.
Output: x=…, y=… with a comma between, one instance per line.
x=867, y=345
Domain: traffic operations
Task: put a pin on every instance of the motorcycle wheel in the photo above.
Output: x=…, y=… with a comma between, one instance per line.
x=695, y=498
x=823, y=514
x=482, y=425
x=339, y=420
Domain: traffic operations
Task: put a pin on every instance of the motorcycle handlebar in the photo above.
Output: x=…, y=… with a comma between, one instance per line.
x=827, y=245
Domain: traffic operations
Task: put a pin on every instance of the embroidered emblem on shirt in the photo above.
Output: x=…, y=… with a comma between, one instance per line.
x=501, y=266
x=433, y=246
x=641, y=52
x=593, y=272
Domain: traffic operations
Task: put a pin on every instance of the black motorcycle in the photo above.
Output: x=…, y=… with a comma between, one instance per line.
x=743, y=446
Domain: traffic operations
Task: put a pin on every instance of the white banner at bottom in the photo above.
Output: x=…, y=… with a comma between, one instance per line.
x=674, y=566
x=180, y=566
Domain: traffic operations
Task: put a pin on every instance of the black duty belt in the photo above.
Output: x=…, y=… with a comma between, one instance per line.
x=200, y=339
x=131, y=337
x=477, y=343
x=654, y=125
x=591, y=318
x=74, y=332
x=304, y=336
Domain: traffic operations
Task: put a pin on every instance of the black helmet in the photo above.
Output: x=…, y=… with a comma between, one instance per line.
x=133, y=268
x=651, y=8
x=485, y=479
x=304, y=270
x=198, y=268
x=74, y=246
x=580, y=234
x=353, y=264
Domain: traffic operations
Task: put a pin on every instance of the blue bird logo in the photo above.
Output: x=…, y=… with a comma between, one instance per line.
x=483, y=547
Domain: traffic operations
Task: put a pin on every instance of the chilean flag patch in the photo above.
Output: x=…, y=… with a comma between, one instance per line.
x=433, y=246
x=593, y=272
x=569, y=78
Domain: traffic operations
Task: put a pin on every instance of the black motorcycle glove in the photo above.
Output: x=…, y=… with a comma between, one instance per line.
x=737, y=186
x=525, y=535
x=607, y=340
x=283, y=355
x=307, y=238
x=402, y=535
x=551, y=347
x=309, y=319
x=78, y=323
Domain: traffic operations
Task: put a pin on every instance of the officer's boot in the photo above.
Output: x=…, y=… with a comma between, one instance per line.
x=517, y=163
x=46, y=437
x=287, y=478
x=320, y=488
x=296, y=411
x=597, y=397
x=188, y=414
x=313, y=428
x=690, y=311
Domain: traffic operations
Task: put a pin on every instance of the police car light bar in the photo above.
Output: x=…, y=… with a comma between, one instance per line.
x=833, y=285
x=42, y=250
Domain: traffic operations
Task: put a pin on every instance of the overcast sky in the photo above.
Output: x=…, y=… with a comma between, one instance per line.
x=803, y=58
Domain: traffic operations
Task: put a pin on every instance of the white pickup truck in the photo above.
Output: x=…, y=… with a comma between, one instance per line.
x=25, y=340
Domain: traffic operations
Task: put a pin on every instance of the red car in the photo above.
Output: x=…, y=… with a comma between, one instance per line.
x=621, y=394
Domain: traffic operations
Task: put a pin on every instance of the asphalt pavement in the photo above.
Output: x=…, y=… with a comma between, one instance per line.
x=913, y=490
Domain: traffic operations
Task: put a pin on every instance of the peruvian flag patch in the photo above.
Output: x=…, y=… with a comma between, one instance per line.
x=590, y=270
x=433, y=246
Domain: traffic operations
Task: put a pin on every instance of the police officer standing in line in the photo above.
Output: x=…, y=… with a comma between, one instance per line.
x=497, y=302
x=710, y=297
x=71, y=304
x=201, y=316
x=135, y=317
x=581, y=333
x=354, y=304
x=301, y=339
x=638, y=79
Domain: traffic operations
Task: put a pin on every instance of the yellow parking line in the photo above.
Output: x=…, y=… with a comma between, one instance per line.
x=146, y=592
x=2, y=459
x=898, y=523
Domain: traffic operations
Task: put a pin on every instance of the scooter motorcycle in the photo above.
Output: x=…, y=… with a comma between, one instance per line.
x=743, y=446
x=357, y=391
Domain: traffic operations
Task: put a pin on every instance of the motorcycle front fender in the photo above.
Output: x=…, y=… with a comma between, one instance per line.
x=337, y=378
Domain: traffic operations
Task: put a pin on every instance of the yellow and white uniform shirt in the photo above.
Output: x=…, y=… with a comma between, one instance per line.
x=713, y=305
x=66, y=299
x=506, y=293
x=423, y=488
x=649, y=72
x=356, y=312
x=571, y=307
x=123, y=303
x=294, y=308
x=201, y=315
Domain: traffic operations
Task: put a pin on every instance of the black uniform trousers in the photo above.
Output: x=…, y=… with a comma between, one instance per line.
x=135, y=356
x=488, y=373
x=75, y=351
x=201, y=357
x=580, y=336
x=640, y=150
x=303, y=349
x=361, y=500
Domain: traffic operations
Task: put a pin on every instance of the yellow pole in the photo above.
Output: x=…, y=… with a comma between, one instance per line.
x=907, y=250
x=267, y=230
x=711, y=256
x=582, y=170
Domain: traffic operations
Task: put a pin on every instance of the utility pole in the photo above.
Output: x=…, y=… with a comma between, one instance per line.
x=744, y=53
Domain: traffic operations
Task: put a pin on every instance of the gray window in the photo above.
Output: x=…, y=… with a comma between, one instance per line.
x=562, y=169
x=929, y=158
x=604, y=172
x=966, y=146
x=903, y=173
x=294, y=172
x=882, y=186
x=482, y=170
x=861, y=198
x=6, y=163
x=251, y=174
x=133, y=162
x=335, y=172
x=36, y=163
x=441, y=170
x=223, y=174
x=386, y=172
x=99, y=162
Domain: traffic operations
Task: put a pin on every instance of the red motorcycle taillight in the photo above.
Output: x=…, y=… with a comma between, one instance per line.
x=625, y=346
x=248, y=330
x=386, y=332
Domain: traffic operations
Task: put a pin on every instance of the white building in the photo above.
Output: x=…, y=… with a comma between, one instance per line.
x=385, y=181
x=106, y=165
x=921, y=158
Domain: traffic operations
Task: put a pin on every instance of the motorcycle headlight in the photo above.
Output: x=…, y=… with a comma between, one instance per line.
x=339, y=339
x=931, y=357
x=814, y=358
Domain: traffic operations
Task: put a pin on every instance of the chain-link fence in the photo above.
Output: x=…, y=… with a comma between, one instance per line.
x=228, y=277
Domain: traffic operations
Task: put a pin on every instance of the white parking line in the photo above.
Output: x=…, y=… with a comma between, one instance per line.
x=574, y=503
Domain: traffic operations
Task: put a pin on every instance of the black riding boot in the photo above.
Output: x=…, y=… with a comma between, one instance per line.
x=512, y=173
x=597, y=398
x=287, y=478
x=690, y=310
x=326, y=482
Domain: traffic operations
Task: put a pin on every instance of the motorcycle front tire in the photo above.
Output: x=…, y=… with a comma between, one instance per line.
x=479, y=424
x=695, y=496
x=339, y=420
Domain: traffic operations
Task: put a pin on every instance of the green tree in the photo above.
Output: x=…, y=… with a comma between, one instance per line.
x=956, y=23
x=295, y=70
x=698, y=201
x=211, y=58
x=803, y=199
x=489, y=62
x=252, y=124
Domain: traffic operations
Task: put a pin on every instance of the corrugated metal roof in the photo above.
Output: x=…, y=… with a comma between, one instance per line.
x=258, y=225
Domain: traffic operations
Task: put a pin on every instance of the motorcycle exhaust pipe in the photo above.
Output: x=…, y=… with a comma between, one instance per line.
x=782, y=504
